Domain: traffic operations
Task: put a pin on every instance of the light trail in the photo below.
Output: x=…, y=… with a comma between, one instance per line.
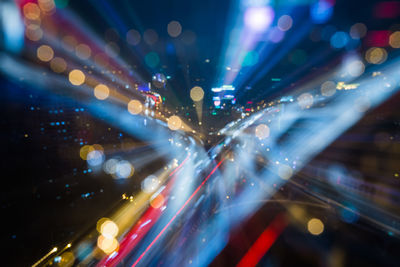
x=176, y=214
x=180, y=166
x=139, y=230
x=45, y=257
x=264, y=242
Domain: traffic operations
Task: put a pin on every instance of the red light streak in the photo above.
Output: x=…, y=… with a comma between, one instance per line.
x=180, y=166
x=176, y=214
x=264, y=242
x=139, y=230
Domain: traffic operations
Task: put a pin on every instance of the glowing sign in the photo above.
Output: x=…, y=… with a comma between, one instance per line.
x=228, y=88
x=223, y=88
x=228, y=97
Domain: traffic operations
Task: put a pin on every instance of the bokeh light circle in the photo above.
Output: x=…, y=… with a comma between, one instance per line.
x=305, y=100
x=262, y=131
x=285, y=171
x=48, y=6
x=174, y=29
x=275, y=35
x=95, y=158
x=58, y=65
x=76, y=77
x=152, y=59
x=33, y=32
x=109, y=229
x=376, y=55
x=31, y=11
x=355, y=68
x=394, y=39
x=85, y=150
x=83, y=51
x=124, y=169
x=135, y=107
x=174, y=123
x=45, y=53
x=339, y=40
x=328, y=88
x=157, y=201
x=358, y=30
x=133, y=37
x=150, y=184
x=108, y=245
x=285, y=22
x=110, y=166
x=101, y=91
x=315, y=226
x=197, y=93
